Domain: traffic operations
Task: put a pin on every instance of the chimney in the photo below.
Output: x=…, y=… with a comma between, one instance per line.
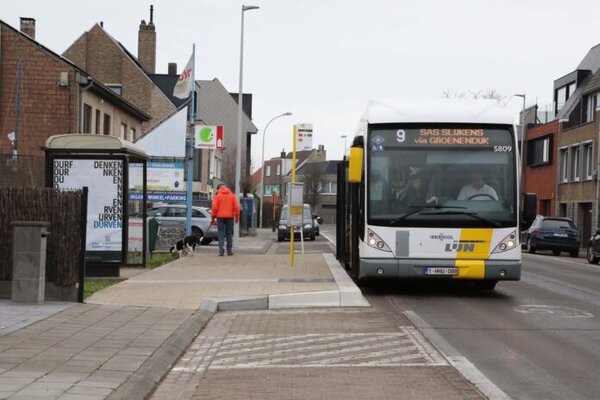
x=147, y=44
x=172, y=68
x=28, y=26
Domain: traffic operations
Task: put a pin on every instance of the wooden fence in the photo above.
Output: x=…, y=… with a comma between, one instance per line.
x=62, y=209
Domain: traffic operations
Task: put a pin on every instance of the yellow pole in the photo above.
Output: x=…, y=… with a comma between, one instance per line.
x=289, y=194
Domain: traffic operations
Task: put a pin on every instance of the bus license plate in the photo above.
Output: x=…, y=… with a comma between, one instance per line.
x=441, y=271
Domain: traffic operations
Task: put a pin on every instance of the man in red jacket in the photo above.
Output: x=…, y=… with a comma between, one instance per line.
x=225, y=209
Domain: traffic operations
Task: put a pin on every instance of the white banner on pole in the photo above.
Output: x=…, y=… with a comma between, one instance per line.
x=183, y=87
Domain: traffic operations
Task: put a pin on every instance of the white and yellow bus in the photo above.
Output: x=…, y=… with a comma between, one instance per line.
x=432, y=192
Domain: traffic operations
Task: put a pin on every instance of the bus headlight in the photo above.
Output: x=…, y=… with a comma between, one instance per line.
x=508, y=243
x=376, y=242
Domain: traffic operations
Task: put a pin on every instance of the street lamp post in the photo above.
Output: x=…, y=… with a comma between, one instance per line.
x=523, y=125
x=238, y=151
x=262, y=165
x=344, y=137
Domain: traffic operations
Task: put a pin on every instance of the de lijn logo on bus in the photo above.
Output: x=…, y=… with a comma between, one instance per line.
x=466, y=246
x=209, y=137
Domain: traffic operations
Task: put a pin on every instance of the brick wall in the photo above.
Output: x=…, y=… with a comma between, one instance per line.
x=98, y=55
x=46, y=108
x=147, y=46
x=542, y=179
x=108, y=63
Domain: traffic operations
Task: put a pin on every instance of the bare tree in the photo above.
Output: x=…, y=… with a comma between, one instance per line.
x=228, y=167
x=228, y=172
x=491, y=94
x=312, y=174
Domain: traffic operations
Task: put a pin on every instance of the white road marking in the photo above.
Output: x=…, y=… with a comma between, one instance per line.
x=565, y=312
x=461, y=363
x=309, y=351
x=404, y=348
x=329, y=238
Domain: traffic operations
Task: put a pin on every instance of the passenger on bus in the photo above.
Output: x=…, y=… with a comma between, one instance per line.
x=414, y=193
x=477, y=189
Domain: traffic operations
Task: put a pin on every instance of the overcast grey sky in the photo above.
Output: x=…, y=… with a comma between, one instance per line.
x=323, y=60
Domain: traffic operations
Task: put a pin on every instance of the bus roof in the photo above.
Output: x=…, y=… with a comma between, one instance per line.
x=441, y=111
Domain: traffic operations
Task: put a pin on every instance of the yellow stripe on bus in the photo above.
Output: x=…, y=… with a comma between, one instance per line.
x=474, y=248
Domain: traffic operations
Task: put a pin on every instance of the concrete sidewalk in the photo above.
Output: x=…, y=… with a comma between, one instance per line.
x=253, y=276
x=121, y=343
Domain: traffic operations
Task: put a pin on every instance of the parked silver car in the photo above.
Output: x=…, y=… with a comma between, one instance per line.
x=175, y=214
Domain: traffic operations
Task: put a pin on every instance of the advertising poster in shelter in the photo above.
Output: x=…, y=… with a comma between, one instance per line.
x=104, y=179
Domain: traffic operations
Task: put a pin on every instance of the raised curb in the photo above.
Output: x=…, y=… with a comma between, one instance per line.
x=350, y=294
x=238, y=303
x=142, y=383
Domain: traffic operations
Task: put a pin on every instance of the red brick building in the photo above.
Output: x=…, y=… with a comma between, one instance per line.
x=44, y=94
x=540, y=166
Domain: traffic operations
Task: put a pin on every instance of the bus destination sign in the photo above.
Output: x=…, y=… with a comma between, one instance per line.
x=438, y=137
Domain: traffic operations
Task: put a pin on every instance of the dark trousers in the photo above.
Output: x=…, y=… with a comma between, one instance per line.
x=225, y=231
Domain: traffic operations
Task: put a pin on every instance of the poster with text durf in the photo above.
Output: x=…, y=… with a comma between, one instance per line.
x=104, y=179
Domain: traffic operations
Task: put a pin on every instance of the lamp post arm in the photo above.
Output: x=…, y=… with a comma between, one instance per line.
x=262, y=166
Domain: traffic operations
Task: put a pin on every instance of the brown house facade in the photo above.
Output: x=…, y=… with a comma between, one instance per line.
x=111, y=63
x=43, y=94
x=540, y=167
x=577, y=180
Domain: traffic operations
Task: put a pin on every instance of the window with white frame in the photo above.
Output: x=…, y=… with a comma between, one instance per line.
x=328, y=187
x=268, y=170
x=564, y=165
x=590, y=104
x=538, y=151
x=278, y=170
x=576, y=162
x=588, y=154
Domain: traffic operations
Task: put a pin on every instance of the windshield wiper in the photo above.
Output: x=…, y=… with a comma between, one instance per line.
x=470, y=214
x=420, y=208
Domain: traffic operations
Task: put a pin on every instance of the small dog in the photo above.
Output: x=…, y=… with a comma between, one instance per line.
x=186, y=246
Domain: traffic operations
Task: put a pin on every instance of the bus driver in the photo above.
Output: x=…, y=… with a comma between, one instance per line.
x=477, y=189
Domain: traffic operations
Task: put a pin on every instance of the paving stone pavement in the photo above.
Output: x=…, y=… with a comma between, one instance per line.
x=83, y=352
x=312, y=354
x=14, y=316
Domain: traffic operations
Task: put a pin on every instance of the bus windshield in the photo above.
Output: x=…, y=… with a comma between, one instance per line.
x=441, y=176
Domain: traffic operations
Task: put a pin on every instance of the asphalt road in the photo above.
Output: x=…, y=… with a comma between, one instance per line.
x=538, y=338
x=319, y=245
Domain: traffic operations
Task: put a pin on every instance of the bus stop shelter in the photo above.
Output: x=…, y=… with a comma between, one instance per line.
x=109, y=167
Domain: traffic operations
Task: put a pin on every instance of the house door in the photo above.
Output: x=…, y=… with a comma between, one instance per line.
x=545, y=208
x=586, y=225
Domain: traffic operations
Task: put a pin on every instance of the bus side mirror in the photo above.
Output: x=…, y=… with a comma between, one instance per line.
x=355, y=165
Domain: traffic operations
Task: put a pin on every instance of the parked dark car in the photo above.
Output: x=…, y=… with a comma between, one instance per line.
x=593, y=251
x=552, y=233
x=308, y=225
